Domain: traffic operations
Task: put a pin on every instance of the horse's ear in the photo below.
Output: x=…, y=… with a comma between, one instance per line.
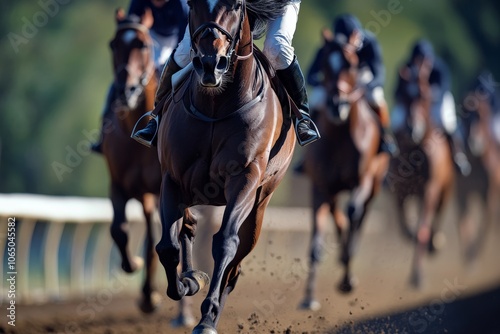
x=147, y=18
x=119, y=15
x=405, y=73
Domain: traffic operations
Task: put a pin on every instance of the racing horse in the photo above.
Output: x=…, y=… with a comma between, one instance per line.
x=134, y=170
x=348, y=158
x=483, y=150
x=224, y=140
x=424, y=168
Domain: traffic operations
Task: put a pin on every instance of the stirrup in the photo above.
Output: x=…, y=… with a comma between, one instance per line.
x=314, y=127
x=147, y=143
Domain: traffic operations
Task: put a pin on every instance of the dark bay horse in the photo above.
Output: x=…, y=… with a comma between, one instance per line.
x=347, y=158
x=424, y=168
x=483, y=150
x=223, y=140
x=134, y=170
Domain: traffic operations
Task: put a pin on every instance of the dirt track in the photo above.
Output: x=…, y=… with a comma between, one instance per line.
x=268, y=293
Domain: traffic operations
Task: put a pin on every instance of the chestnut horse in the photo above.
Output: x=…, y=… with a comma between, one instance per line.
x=347, y=158
x=483, y=150
x=424, y=168
x=223, y=140
x=134, y=170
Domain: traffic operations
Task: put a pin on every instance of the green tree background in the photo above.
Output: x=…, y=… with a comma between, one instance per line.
x=54, y=77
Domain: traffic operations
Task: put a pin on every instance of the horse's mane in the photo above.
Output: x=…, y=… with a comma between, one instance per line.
x=262, y=11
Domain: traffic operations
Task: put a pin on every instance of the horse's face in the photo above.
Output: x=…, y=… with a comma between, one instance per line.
x=215, y=27
x=132, y=58
x=340, y=68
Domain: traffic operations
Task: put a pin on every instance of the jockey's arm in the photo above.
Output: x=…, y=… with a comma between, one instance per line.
x=373, y=54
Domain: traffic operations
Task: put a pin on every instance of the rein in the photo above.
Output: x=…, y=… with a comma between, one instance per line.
x=192, y=111
x=150, y=70
x=231, y=54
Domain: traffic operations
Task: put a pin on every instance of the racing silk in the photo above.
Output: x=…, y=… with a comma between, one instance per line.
x=169, y=19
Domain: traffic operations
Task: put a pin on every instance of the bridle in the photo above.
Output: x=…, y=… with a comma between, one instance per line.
x=211, y=28
x=150, y=70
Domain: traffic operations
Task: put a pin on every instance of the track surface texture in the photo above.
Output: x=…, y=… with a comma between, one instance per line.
x=455, y=298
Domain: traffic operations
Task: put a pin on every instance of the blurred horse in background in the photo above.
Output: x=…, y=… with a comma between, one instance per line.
x=424, y=168
x=480, y=127
x=347, y=158
x=134, y=170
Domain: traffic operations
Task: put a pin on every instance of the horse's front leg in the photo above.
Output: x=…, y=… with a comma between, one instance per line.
x=186, y=236
x=119, y=229
x=424, y=233
x=241, y=193
x=320, y=216
x=150, y=298
x=356, y=212
x=168, y=248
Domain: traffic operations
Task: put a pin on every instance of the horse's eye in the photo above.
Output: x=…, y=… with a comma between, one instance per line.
x=189, y=4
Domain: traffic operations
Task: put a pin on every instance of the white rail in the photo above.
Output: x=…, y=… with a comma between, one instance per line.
x=69, y=236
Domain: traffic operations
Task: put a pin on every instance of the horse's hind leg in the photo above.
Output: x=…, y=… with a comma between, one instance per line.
x=119, y=230
x=320, y=216
x=150, y=298
x=168, y=248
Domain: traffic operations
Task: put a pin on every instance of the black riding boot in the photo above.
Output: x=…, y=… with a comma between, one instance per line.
x=147, y=135
x=293, y=80
x=460, y=160
x=97, y=146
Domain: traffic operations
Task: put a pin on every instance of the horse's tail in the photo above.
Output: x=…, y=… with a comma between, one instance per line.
x=262, y=11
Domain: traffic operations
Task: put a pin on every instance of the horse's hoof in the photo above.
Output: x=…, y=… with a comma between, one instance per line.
x=198, y=276
x=182, y=321
x=203, y=330
x=136, y=263
x=310, y=305
x=347, y=285
x=437, y=242
x=151, y=304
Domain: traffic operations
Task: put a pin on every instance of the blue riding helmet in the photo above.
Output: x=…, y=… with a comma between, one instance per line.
x=424, y=49
x=344, y=26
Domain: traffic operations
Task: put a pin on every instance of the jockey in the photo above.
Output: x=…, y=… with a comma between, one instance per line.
x=443, y=112
x=170, y=20
x=277, y=48
x=348, y=32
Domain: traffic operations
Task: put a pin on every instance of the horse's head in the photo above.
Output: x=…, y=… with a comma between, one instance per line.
x=414, y=93
x=216, y=29
x=340, y=69
x=133, y=63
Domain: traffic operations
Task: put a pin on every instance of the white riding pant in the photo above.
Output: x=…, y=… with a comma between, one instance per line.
x=443, y=114
x=162, y=48
x=277, y=44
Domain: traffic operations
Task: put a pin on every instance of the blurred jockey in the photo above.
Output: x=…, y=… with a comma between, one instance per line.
x=277, y=48
x=170, y=20
x=348, y=32
x=443, y=106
